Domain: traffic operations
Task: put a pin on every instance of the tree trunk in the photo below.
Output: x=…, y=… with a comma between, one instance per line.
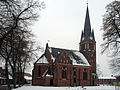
x=7, y=75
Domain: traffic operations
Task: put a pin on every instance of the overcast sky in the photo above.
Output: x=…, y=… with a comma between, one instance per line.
x=62, y=22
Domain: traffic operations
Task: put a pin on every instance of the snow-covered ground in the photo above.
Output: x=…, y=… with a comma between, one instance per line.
x=67, y=88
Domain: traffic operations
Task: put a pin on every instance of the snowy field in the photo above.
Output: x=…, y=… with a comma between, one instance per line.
x=68, y=88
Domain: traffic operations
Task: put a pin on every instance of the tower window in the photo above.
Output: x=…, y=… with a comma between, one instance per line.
x=88, y=46
x=79, y=48
x=85, y=46
x=94, y=47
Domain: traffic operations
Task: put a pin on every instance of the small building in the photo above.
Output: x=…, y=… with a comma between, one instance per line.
x=28, y=78
x=2, y=76
x=3, y=80
x=106, y=80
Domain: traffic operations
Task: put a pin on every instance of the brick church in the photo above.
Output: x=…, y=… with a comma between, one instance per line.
x=63, y=67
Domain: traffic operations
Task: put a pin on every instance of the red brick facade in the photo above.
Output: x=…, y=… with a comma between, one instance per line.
x=75, y=75
x=89, y=51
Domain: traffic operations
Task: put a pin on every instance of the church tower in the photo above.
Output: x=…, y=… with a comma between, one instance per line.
x=87, y=44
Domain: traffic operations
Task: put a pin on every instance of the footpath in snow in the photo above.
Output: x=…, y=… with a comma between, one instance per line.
x=68, y=88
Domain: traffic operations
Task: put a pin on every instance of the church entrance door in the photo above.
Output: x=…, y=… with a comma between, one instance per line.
x=74, y=81
x=51, y=82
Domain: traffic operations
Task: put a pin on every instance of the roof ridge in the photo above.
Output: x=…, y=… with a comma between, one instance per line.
x=63, y=49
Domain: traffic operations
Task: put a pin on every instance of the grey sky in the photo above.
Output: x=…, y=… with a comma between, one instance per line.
x=63, y=20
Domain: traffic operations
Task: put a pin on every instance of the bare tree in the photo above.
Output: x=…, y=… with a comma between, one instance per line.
x=115, y=65
x=111, y=35
x=16, y=16
x=18, y=52
x=16, y=13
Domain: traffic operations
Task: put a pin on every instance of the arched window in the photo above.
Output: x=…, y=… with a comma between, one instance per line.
x=85, y=74
x=64, y=73
x=79, y=74
x=88, y=46
x=74, y=72
x=39, y=68
x=67, y=61
x=94, y=47
x=85, y=46
x=61, y=60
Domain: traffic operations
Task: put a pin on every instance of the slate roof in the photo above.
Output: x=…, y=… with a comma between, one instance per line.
x=42, y=59
x=75, y=56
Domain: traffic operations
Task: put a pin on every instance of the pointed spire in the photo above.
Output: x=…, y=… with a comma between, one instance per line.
x=87, y=25
x=93, y=35
x=86, y=33
x=82, y=36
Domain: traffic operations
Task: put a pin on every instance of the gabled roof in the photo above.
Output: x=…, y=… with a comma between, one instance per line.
x=76, y=57
x=42, y=59
x=27, y=76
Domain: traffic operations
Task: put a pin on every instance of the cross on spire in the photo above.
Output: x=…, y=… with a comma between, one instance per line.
x=87, y=2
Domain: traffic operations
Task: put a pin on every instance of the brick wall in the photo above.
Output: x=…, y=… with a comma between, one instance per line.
x=74, y=73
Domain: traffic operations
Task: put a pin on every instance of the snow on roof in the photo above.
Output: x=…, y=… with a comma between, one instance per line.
x=77, y=57
x=28, y=78
x=48, y=75
x=107, y=77
x=10, y=77
x=52, y=58
x=2, y=78
x=43, y=59
x=84, y=60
